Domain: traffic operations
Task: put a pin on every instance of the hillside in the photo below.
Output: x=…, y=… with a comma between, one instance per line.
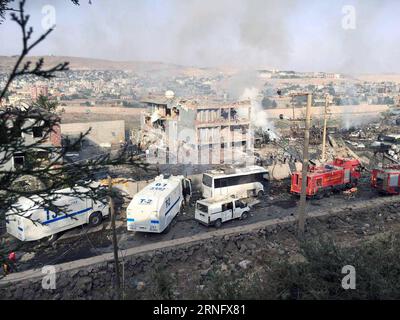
x=77, y=63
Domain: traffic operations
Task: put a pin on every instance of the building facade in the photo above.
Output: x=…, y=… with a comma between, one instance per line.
x=45, y=144
x=197, y=132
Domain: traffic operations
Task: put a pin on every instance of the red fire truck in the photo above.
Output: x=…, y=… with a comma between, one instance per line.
x=341, y=174
x=386, y=180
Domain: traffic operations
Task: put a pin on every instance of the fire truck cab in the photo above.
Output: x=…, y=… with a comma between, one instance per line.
x=386, y=180
x=340, y=174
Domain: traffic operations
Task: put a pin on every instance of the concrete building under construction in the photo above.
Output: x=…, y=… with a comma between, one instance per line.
x=176, y=130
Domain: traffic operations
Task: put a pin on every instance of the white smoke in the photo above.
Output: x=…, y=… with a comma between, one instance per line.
x=356, y=121
x=259, y=118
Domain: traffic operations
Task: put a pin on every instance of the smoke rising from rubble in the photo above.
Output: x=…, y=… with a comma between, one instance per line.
x=349, y=121
x=259, y=118
x=246, y=85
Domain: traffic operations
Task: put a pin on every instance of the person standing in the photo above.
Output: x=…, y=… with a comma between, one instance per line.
x=12, y=262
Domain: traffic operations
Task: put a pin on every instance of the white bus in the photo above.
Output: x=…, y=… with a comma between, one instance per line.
x=239, y=182
x=30, y=221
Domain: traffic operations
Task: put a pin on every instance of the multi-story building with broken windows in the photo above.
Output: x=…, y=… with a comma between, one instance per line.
x=33, y=144
x=177, y=130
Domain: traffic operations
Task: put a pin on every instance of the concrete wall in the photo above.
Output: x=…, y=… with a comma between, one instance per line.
x=102, y=132
x=361, y=110
x=102, y=110
x=279, y=171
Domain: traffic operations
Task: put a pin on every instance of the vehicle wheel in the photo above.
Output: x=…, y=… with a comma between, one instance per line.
x=244, y=215
x=295, y=196
x=52, y=238
x=95, y=219
x=260, y=194
x=167, y=229
x=328, y=193
x=319, y=196
x=218, y=223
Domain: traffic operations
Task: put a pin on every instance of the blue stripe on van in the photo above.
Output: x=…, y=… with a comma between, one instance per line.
x=20, y=229
x=156, y=221
x=67, y=216
x=172, y=206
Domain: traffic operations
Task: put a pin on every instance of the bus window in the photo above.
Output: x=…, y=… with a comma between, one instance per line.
x=223, y=183
x=207, y=180
x=233, y=181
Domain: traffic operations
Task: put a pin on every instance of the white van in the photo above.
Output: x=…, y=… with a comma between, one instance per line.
x=154, y=207
x=29, y=221
x=215, y=211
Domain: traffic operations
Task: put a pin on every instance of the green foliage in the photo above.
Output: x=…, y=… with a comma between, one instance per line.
x=46, y=103
x=163, y=284
x=377, y=265
x=318, y=275
x=220, y=285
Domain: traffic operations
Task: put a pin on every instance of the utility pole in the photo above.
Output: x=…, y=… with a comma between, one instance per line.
x=301, y=213
x=114, y=238
x=324, y=133
x=293, y=111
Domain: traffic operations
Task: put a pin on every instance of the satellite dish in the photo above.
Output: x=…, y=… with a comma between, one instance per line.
x=169, y=94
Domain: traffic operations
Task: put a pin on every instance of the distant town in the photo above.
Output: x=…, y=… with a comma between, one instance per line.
x=127, y=88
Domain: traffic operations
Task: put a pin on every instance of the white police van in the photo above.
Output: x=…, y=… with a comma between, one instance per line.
x=28, y=220
x=217, y=210
x=154, y=207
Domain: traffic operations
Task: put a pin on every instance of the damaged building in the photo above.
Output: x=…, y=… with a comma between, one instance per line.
x=176, y=130
x=94, y=137
x=41, y=143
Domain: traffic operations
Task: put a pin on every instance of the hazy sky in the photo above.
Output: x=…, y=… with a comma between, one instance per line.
x=284, y=34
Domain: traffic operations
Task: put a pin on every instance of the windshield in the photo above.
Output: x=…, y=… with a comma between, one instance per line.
x=207, y=180
x=202, y=207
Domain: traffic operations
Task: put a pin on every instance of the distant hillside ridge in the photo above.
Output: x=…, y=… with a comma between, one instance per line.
x=78, y=63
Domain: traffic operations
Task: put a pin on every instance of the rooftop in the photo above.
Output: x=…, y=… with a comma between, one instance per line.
x=197, y=102
x=235, y=171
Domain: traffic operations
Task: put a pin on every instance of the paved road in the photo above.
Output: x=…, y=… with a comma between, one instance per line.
x=85, y=242
x=155, y=245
